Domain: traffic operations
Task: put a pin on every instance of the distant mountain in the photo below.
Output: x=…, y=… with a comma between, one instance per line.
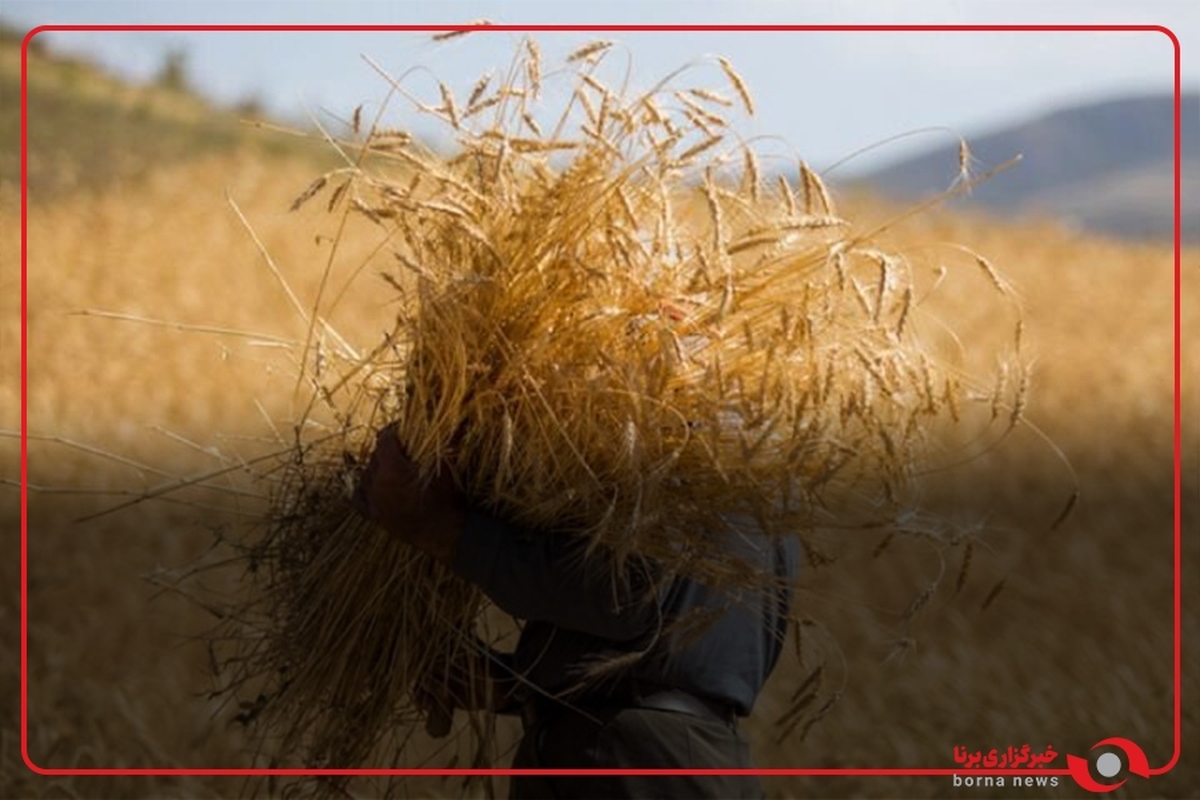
x=1106, y=166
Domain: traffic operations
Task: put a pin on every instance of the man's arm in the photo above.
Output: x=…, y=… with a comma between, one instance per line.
x=549, y=578
x=530, y=576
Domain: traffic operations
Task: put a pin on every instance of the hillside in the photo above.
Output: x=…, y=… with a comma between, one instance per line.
x=1104, y=166
x=88, y=129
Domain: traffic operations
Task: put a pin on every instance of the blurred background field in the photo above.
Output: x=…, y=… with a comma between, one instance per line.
x=129, y=213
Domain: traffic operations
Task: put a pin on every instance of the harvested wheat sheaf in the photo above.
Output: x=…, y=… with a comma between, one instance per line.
x=611, y=325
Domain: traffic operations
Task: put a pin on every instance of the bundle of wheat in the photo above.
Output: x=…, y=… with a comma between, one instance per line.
x=611, y=326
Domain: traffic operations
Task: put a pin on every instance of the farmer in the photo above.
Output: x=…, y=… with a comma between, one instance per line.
x=676, y=707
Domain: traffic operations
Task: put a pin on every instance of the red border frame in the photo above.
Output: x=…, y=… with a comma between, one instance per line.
x=886, y=772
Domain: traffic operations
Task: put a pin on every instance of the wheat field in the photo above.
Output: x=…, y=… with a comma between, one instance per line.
x=1049, y=637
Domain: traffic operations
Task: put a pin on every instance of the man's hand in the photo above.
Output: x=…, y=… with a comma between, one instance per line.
x=430, y=517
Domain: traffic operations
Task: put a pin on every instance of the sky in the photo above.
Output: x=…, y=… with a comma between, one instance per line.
x=824, y=95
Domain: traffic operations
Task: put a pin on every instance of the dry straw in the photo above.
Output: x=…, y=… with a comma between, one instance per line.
x=608, y=330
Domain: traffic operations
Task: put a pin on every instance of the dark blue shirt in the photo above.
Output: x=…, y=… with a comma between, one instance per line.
x=578, y=612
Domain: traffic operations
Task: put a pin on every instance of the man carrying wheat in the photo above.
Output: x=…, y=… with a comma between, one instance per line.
x=675, y=707
x=621, y=343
